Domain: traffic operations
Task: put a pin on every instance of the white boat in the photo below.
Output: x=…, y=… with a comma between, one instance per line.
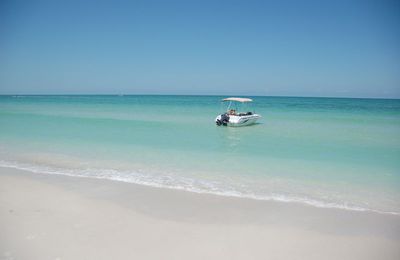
x=237, y=113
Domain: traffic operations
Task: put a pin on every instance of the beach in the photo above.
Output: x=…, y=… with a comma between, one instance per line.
x=199, y=130
x=60, y=217
x=153, y=177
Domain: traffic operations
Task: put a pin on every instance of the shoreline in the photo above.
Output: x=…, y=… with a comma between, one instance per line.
x=97, y=218
x=295, y=200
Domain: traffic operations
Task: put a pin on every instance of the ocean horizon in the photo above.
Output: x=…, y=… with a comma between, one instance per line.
x=321, y=151
x=193, y=95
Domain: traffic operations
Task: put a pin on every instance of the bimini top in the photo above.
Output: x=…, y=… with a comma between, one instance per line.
x=238, y=99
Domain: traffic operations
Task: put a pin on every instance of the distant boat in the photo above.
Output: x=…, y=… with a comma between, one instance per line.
x=237, y=113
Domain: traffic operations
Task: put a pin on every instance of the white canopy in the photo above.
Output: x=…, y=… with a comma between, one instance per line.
x=238, y=99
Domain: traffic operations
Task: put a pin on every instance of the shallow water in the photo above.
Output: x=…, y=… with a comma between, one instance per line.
x=327, y=152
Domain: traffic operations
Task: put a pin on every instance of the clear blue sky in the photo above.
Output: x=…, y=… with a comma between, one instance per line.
x=290, y=48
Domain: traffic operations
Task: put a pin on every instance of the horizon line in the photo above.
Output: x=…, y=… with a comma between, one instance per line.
x=208, y=95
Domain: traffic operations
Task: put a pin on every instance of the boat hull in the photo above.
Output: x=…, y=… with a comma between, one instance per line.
x=237, y=121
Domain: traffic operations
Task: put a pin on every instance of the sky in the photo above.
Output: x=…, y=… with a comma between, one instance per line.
x=271, y=48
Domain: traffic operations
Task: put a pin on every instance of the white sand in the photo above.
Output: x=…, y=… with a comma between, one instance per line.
x=59, y=217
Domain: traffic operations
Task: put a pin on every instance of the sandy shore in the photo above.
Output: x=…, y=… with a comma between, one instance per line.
x=59, y=217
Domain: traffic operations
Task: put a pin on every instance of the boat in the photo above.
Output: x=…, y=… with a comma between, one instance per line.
x=237, y=113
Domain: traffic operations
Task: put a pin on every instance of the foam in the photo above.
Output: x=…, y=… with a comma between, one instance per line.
x=181, y=183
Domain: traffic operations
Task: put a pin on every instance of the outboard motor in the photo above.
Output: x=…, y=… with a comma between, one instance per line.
x=223, y=120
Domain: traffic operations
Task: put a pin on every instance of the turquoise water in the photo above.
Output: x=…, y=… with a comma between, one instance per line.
x=326, y=152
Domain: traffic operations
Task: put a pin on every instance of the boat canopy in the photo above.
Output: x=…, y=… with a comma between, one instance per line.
x=238, y=99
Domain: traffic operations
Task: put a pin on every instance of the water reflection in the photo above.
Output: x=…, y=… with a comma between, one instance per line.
x=232, y=139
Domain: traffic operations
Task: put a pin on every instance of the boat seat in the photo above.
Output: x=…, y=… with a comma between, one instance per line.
x=246, y=114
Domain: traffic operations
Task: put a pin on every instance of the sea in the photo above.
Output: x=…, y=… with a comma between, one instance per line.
x=325, y=152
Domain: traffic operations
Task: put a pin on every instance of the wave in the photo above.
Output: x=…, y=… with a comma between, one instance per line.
x=183, y=183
